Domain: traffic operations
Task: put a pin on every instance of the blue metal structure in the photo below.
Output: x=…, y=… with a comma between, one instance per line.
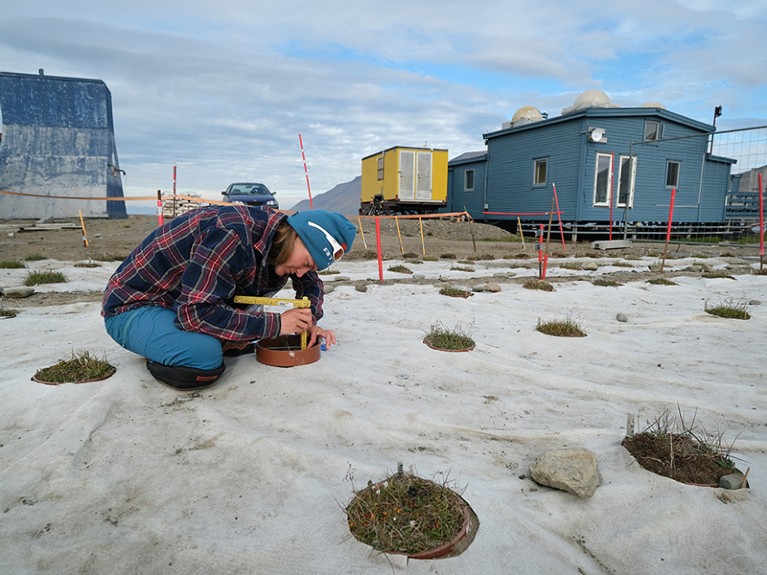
x=608, y=164
x=58, y=141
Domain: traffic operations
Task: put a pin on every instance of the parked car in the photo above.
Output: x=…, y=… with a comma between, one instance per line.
x=252, y=194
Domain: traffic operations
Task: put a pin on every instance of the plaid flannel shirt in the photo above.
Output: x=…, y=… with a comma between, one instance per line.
x=195, y=265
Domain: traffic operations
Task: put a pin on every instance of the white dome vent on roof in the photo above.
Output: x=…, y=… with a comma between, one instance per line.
x=589, y=99
x=526, y=115
x=652, y=105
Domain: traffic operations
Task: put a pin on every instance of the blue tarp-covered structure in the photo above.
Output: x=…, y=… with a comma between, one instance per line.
x=58, y=142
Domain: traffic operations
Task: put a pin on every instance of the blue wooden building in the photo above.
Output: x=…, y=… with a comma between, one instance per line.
x=57, y=141
x=607, y=164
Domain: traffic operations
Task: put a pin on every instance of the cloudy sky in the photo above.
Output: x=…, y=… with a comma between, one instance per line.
x=223, y=89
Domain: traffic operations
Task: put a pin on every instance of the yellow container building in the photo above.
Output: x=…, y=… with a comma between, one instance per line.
x=404, y=180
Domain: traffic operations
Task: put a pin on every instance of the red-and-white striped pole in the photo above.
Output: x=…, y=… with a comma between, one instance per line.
x=306, y=171
x=160, y=220
x=174, y=190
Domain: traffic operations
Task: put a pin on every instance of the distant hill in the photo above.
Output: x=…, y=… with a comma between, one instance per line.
x=344, y=198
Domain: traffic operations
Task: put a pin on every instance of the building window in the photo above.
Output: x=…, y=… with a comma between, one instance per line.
x=380, y=168
x=672, y=174
x=468, y=181
x=602, y=178
x=540, y=169
x=626, y=175
x=653, y=131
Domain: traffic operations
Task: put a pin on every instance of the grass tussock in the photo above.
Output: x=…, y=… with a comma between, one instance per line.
x=730, y=310
x=661, y=282
x=451, y=291
x=35, y=258
x=535, y=283
x=80, y=367
x=7, y=312
x=673, y=447
x=44, y=277
x=12, y=265
x=400, y=269
x=405, y=514
x=562, y=328
x=606, y=282
x=453, y=339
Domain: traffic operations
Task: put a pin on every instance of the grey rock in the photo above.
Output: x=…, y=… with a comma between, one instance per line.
x=621, y=317
x=488, y=287
x=361, y=288
x=754, y=302
x=328, y=288
x=570, y=469
x=18, y=292
x=589, y=266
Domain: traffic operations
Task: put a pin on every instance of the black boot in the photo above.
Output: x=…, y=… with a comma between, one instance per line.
x=182, y=377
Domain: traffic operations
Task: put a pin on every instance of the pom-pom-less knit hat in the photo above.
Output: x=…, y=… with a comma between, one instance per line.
x=327, y=235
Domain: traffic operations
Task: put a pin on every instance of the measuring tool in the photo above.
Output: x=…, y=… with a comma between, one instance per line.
x=255, y=300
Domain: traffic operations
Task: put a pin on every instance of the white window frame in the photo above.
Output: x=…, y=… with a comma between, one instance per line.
x=623, y=160
x=657, y=134
x=608, y=188
x=466, y=186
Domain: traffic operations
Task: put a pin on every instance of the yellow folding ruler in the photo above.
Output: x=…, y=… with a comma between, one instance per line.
x=255, y=300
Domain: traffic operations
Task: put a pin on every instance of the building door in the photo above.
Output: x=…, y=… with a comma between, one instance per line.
x=406, y=175
x=415, y=182
x=423, y=176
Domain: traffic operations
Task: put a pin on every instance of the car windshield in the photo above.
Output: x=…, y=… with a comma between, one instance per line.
x=242, y=189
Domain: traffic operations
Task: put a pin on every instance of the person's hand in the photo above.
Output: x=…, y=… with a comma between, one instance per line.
x=316, y=332
x=296, y=320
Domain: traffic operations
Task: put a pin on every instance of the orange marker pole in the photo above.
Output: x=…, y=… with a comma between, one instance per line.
x=82, y=225
x=380, y=250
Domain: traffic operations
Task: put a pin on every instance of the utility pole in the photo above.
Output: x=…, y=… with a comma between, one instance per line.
x=717, y=113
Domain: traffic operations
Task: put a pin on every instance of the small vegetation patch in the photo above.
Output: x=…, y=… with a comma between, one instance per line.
x=760, y=272
x=661, y=282
x=80, y=368
x=34, y=258
x=671, y=447
x=406, y=514
x=328, y=272
x=87, y=265
x=719, y=274
x=606, y=282
x=44, y=277
x=12, y=265
x=563, y=328
x=730, y=310
x=400, y=269
x=462, y=268
x=444, y=338
x=455, y=292
x=447, y=256
x=6, y=312
x=535, y=283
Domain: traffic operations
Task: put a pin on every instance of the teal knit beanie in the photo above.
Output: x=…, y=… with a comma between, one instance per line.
x=327, y=235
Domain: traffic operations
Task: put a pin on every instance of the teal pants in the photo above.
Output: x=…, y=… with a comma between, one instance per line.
x=152, y=332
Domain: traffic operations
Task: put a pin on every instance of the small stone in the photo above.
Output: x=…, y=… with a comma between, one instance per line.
x=361, y=288
x=621, y=317
x=731, y=481
x=589, y=266
x=328, y=288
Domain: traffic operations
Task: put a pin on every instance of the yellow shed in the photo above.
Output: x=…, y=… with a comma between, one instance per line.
x=404, y=180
